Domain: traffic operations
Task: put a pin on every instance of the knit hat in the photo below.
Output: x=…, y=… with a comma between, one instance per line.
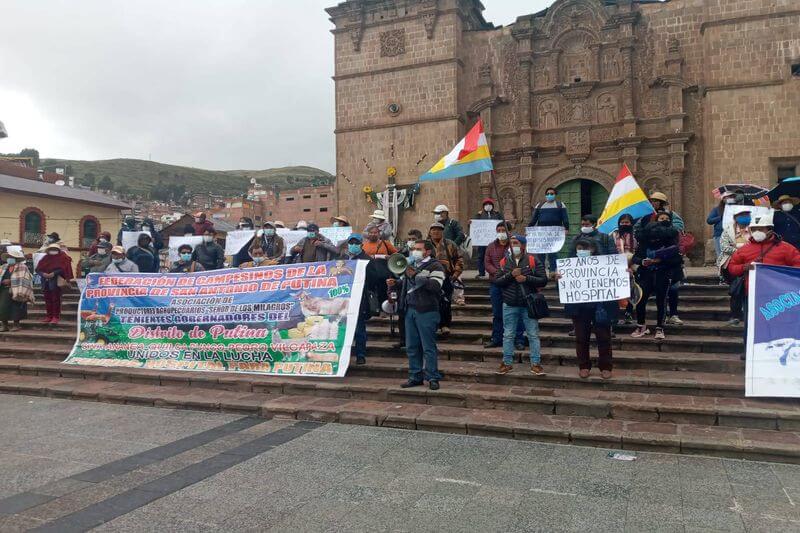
x=520, y=238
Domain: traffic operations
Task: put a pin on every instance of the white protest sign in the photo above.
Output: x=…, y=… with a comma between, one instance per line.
x=291, y=237
x=544, y=239
x=732, y=210
x=131, y=238
x=599, y=278
x=175, y=243
x=483, y=232
x=236, y=240
x=36, y=258
x=336, y=234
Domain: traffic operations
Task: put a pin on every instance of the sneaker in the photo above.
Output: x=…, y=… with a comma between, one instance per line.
x=660, y=334
x=571, y=333
x=433, y=385
x=733, y=322
x=640, y=332
x=583, y=373
x=605, y=374
x=537, y=370
x=504, y=369
x=445, y=331
x=361, y=360
x=675, y=321
x=410, y=383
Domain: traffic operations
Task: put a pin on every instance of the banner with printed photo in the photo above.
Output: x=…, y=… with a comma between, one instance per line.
x=599, y=278
x=732, y=210
x=296, y=320
x=545, y=239
x=483, y=232
x=773, y=337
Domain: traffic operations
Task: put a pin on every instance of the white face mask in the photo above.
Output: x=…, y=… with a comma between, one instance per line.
x=416, y=255
x=730, y=201
x=502, y=236
x=586, y=230
x=438, y=218
x=258, y=259
x=102, y=252
x=411, y=244
x=52, y=252
x=759, y=236
x=376, y=220
x=488, y=208
x=787, y=206
x=516, y=249
x=208, y=238
x=11, y=261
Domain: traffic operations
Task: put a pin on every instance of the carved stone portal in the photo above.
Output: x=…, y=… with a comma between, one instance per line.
x=578, y=142
x=393, y=43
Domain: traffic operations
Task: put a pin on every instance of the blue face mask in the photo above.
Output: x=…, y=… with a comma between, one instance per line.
x=583, y=253
x=743, y=220
x=186, y=257
x=11, y=261
x=549, y=197
x=354, y=249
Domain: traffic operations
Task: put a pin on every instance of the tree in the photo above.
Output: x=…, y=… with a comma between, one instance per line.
x=106, y=184
x=88, y=179
x=124, y=189
x=33, y=153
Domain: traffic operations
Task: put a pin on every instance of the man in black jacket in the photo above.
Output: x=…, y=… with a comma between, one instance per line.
x=353, y=252
x=519, y=275
x=420, y=293
x=605, y=243
x=209, y=254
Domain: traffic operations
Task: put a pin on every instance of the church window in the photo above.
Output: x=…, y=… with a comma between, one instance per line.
x=786, y=171
x=796, y=70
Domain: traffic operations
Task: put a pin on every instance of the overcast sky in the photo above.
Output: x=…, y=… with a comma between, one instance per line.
x=224, y=84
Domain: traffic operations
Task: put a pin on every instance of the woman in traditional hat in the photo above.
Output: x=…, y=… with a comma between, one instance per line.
x=56, y=271
x=16, y=290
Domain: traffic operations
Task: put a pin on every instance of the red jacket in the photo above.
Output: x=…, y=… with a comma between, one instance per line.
x=775, y=253
x=201, y=227
x=495, y=252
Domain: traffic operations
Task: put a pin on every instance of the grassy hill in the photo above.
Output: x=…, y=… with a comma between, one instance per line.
x=141, y=176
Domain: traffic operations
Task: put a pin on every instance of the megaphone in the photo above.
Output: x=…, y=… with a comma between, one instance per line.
x=398, y=263
x=390, y=308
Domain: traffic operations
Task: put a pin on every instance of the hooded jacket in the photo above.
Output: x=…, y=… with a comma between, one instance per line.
x=535, y=278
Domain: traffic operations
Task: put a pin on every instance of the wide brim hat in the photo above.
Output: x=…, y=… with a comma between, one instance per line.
x=785, y=198
x=118, y=250
x=16, y=254
x=53, y=246
x=379, y=213
x=659, y=196
x=342, y=219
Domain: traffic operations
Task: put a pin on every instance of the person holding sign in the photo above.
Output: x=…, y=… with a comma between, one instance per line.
x=489, y=212
x=591, y=316
x=354, y=252
x=551, y=212
x=314, y=247
x=185, y=264
x=660, y=265
x=519, y=275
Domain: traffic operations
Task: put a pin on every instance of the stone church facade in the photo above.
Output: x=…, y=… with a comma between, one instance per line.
x=690, y=94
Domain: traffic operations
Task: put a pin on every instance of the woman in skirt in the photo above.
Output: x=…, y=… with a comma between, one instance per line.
x=16, y=290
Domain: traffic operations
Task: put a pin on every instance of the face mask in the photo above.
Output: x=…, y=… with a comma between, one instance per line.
x=416, y=255
x=411, y=244
x=102, y=252
x=587, y=229
x=146, y=228
x=118, y=260
x=198, y=220
x=376, y=221
x=53, y=252
x=787, y=206
x=516, y=249
x=625, y=229
x=335, y=224
x=11, y=261
x=354, y=249
x=502, y=236
x=50, y=240
x=583, y=253
x=549, y=197
x=743, y=221
x=102, y=240
x=186, y=257
x=730, y=201
x=438, y=218
x=312, y=234
x=258, y=259
x=665, y=223
x=759, y=236
x=488, y=208
x=208, y=238
x=269, y=232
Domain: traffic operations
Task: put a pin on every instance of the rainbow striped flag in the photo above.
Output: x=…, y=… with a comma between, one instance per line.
x=625, y=197
x=470, y=156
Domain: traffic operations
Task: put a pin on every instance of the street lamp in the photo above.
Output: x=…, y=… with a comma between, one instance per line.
x=3, y=132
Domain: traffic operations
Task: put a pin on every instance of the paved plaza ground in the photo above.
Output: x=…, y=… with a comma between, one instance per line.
x=72, y=466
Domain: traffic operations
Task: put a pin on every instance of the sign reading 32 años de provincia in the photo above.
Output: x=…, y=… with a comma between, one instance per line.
x=773, y=335
x=295, y=319
x=600, y=278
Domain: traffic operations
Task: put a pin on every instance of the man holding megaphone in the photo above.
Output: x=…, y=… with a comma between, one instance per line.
x=419, y=296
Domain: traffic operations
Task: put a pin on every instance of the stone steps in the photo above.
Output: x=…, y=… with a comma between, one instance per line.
x=192, y=392
x=719, y=313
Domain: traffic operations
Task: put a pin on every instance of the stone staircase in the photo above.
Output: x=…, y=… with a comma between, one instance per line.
x=685, y=394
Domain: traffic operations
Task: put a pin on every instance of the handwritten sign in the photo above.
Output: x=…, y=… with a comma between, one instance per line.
x=131, y=239
x=291, y=237
x=37, y=256
x=336, y=234
x=600, y=278
x=544, y=239
x=483, y=232
x=732, y=210
x=175, y=242
x=236, y=240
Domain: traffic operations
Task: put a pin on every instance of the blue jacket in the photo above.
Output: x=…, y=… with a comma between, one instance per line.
x=550, y=216
x=787, y=225
x=715, y=219
x=146, y=259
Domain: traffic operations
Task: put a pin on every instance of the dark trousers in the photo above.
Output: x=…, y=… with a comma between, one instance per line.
x=584, y=325
x=446, y=305
x=672, y=297
x=549, y=260
x=401, y=325
x=496, y=295
x=657, y=284
x=361, y=337
x=423, y=355
x=745, y=314
x=481, y=255
x=52, y=302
